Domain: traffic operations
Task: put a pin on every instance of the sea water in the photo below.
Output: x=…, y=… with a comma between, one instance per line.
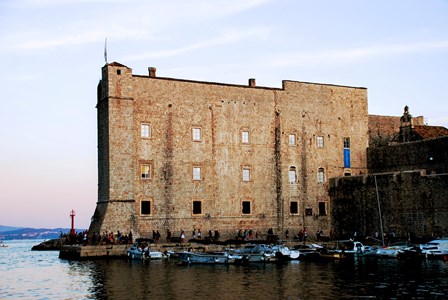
x=26, y=274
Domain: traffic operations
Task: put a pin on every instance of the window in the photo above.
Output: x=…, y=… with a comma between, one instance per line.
x=197, y=173
x=320, y=175
x=197, y=134
x=346, y=152
x=292, y=139
x=308, y=211
x=197, y=207
x=294, y=207
x=322, y=210
x=245, y=137
x=146, y=171
x=246, y=174
x=118, y=72
x=347, y=143
x=246, y=207
x=145, y=131
x=292, y=175
x=145, y=208
x=320, y=141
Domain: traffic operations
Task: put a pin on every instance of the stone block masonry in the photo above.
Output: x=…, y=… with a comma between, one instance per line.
x=412, y=204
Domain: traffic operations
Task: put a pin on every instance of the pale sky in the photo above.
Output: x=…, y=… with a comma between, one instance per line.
x=52, y=52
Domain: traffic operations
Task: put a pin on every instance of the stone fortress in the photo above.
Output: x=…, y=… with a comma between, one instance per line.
x=182, y=154
x=178, y=154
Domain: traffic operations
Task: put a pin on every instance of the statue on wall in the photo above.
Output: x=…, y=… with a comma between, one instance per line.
x=406, y=126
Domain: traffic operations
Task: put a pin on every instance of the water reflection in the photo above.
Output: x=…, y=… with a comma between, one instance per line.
x=41, y=275
x=116, y=279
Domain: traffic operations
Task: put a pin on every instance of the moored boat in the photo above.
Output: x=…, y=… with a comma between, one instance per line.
x=308, y=251
x=343, y=249
x=140, y=251
x=393, y=251
x=283, y=253
x=436, y=249
x=188, y=257
x=258, y=253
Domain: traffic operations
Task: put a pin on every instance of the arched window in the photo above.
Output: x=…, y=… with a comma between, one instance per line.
x=292, y=175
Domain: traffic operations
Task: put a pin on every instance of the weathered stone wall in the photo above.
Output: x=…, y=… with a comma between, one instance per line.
x=412, y=205
x=270, y=115
x=430, y=155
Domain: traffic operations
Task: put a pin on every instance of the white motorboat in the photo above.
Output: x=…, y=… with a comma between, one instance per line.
x=138, y=253
x=141, y=250
x=283, y=253
x=436, y=249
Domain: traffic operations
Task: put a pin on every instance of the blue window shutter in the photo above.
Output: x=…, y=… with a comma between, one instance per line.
x=346, y=158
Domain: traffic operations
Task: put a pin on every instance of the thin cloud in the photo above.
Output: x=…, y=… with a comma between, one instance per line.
x=356, y=54
x=227, y=38
x=145, y=21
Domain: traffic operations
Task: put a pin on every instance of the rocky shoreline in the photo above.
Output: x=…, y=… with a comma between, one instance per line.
x=50, y=245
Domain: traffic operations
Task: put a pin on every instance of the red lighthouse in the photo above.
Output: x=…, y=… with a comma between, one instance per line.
x=72, y=215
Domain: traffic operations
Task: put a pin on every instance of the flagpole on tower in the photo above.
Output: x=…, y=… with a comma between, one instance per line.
x=105, y=51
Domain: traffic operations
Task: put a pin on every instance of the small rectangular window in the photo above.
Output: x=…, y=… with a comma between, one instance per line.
x=197, y=134
x=320, y=175
x=347, y=143
x=294, y=207
x=145, y=131
x=320, y=141
x=197, y=173
x=292, y=139
x=322, y=210
x=308, y=211
x=245, y=137
x=197, y=207
x=145, y=208
x=246, y=174
x=146, y=171
x=246, y=207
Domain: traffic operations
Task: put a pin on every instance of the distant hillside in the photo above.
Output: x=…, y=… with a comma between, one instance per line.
x=8, y=228
x=32, y=233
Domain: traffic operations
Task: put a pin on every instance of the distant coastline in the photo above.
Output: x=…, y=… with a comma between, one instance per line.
x=21, y=233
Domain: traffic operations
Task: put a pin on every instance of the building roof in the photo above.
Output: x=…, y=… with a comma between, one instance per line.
x=116, y=64
x=429, y=132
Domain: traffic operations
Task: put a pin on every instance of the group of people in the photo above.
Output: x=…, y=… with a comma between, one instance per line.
x=196, y=235
x=80, y=237
x=302, y=236
x=242, y=234
x=108, y=238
